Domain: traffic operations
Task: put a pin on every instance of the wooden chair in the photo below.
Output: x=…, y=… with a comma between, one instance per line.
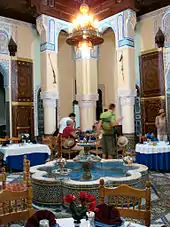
x=120, y=150
x=2, y=179
x=48, y=141
x=2, y=140
x=142, y=138
x=16, y=205
x=128, y=200
x=14, y=139
x=97, y=151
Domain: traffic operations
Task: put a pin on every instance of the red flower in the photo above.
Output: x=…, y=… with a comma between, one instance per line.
x=69, y=198
x=83, y=197
x=92, y=206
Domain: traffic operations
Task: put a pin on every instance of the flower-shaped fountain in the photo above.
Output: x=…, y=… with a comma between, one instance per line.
x=86, y=160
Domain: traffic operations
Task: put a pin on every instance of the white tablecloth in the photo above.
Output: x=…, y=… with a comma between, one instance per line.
x=68, y=222
x=17, y=149
x=161, y=147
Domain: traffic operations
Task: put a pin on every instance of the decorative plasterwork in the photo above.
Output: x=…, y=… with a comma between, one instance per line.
x=87, y=97
x=93, y=53
x=127, y=96
x=87, y=104
x=161, y=19
x=10, y=21
x=127, y=101
x=123, y=26
x=49, y=29
x=123, y=92
x=49, y=95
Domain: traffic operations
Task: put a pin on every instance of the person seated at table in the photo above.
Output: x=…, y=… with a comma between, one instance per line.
x=69, y=138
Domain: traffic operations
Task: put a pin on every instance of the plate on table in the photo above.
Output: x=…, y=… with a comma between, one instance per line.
x=100, y=224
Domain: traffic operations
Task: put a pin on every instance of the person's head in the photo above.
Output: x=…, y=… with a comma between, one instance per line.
x=69, y=123
x=72, y=116
x=162, y=113
x=112, y=107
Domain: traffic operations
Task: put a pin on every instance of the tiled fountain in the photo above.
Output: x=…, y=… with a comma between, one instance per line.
x=49, y=187
x=53, y=180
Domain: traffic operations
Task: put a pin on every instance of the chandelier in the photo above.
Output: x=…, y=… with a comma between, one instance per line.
x=85, y=32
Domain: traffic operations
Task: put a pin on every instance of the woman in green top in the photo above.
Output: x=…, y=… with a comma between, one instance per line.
x=106, y=124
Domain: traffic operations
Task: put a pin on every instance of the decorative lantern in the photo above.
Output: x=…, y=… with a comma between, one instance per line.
x=12, y=47
x=160, y=38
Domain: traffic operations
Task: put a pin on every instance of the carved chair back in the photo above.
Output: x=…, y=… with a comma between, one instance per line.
x=128, y=200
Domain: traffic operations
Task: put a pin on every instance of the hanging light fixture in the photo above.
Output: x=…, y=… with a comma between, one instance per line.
x=85, y=32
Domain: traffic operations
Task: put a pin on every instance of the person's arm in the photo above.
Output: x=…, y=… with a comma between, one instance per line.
x=157, y=122
x=115, y=122
x=73, y=134
x=99, y=127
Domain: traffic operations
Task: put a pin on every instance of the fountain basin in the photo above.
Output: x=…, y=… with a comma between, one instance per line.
x=48, y=188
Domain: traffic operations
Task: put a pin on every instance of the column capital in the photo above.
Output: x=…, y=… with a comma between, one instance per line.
x=127, y=101
x=92, y=53
x=125, y=92
x=87, y=104
x=127, y=96
x=49, y=99
x=87, y=97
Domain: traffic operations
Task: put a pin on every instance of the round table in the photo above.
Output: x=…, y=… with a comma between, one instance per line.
x=155, y=157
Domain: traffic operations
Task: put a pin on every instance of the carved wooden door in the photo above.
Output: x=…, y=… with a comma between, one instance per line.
x=22, y=98
x=152, y=89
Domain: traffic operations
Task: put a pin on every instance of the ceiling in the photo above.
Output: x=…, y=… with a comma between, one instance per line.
x=28, y=10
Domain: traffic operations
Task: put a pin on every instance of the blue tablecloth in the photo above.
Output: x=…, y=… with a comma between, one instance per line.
x=16, y=162
x=158, y=161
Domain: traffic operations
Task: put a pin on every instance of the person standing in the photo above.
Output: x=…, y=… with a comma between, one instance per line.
x=63, y=122
x=107, y=122
x=160, y=123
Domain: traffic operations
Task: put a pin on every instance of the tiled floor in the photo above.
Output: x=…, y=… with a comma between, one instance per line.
x=160, y=203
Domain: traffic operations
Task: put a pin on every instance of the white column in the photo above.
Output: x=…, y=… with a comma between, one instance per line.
x=49, y=104
x=127, y=101
x=87, y=85
x=87, y=105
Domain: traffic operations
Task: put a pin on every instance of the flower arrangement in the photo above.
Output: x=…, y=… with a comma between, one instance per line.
x=79, y=210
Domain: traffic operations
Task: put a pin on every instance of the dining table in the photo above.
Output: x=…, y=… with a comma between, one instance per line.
x=155, y=155
x=69, y=222
x=13, y=154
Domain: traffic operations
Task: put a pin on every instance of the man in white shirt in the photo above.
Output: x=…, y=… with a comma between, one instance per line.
x=63, y=122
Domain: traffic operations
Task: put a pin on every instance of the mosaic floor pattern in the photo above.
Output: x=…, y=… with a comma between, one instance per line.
x=160, y=197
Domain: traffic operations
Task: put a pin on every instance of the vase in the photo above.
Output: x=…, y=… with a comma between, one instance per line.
x=77, y=223
x=91, y=218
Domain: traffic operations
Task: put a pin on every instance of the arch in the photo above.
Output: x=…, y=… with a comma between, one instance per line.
x=4, y=70
x=3, y=42
x=3, y=112
x=66, y=76
x=107, y=69
x=166, y=28
x=106, y=27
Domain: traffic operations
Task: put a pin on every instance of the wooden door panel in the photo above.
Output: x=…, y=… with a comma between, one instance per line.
x=152, y=74
x=150, y=109
x=22, y=97
x=23, y=120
